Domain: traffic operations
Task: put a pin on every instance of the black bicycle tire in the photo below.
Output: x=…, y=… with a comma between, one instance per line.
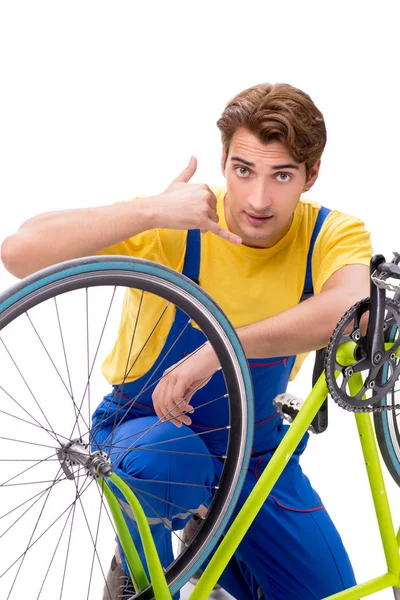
x=387, y=432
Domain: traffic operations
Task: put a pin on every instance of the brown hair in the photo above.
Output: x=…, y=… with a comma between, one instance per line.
x=277, y=112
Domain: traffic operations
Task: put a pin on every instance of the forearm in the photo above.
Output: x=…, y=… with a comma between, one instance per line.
x=53, y=237
x=305, y=327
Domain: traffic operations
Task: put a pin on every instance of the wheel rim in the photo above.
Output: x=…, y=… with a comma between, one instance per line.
x=27, y=298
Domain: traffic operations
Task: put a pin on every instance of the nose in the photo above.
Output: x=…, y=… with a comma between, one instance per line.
x=260, y=199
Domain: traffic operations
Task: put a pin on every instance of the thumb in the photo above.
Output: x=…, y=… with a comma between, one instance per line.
x=187, y=173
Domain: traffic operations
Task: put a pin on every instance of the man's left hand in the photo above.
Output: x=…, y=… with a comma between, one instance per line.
x=171, y=397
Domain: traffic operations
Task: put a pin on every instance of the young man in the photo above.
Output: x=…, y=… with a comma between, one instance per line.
x=262, y=251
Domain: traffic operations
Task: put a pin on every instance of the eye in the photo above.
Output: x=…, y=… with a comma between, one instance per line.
x=242, y=171
x=283, y=177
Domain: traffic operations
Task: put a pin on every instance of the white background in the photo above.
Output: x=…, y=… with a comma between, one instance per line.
x=101, y=101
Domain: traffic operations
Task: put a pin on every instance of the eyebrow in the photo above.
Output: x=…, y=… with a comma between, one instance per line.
x=286, y=166
x=275, y=167
x=245, y=162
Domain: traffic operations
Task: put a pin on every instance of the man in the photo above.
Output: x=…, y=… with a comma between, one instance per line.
x=262, y=251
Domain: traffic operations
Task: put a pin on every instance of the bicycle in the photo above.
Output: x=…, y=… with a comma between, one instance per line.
x=367, y=367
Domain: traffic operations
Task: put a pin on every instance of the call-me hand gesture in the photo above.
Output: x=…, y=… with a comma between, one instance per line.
x=186, y=205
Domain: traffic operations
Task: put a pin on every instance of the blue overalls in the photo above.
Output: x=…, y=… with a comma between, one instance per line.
x=292, y=550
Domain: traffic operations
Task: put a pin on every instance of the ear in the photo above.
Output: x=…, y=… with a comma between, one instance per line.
x=223, y=162
x=312, y=176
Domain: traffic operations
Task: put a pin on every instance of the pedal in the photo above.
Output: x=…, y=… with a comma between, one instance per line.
x=288, y=406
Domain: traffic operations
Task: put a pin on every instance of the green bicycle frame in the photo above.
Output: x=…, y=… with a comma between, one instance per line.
x=136, y=569
x=261, y=490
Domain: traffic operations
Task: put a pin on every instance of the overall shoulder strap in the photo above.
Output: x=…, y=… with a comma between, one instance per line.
x=308, y=290
x=191, y=265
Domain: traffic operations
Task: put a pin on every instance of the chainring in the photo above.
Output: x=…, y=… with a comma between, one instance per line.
x=374, y=381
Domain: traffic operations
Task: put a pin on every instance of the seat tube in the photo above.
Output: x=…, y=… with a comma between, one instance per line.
x=377, y=484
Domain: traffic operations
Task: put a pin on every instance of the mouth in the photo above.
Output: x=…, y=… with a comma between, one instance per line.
x=257, y=220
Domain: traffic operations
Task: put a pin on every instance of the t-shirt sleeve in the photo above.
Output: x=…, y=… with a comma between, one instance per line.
x=165, y=246
x=343, y=241
x=143, y=245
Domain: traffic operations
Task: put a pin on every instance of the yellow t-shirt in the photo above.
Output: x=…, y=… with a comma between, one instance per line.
x=250, y=284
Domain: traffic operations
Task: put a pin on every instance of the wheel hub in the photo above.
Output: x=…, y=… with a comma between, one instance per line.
x=76, y=453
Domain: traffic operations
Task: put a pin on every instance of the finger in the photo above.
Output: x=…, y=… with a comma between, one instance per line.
x=158, y=411
x=213, y=216
x=159, y=397
x=187, y=173
x=224, y=233
x=176, y=410
x=175, y=415
x=183, y=418
x=156, y=406
x=179, y=403
x=212, y=201
x=168, y=407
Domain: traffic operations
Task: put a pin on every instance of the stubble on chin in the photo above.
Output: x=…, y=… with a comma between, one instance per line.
x=251, y=234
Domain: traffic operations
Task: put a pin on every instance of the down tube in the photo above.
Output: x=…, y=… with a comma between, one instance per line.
x=260, y=491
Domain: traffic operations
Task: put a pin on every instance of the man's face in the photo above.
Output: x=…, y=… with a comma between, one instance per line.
x=264, y=185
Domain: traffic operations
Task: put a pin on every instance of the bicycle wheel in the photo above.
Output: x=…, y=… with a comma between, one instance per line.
x=56, y=535
x=387, y=423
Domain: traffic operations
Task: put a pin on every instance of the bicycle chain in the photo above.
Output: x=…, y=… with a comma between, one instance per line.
x=329, y=356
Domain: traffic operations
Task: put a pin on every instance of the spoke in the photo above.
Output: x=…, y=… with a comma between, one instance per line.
x=108, y=514
x=95, y=543
x=127, y=360
x=64, y=349
x=132, y=366
x=147, y=449
x=26, y=501
x=146, y=385
x=77, y=472
x=76, y=410
x=30, y=539
x=132, y=447
x=27, y=385
x=168, y=413
x=48, y=354
x=133, y=338
x=27, y=460
x=183, y=483
x=30, y=545
x=87, y=350
x=4, y=412
x=41, y=494
x=159, y=423
x=105, y=443
x=188, y=436
x=93, y=363
x=147, y=340
x=69, y=539
x=164, y=520
x=72, y=508
x=25, y=442
x=31, y=416
x=27, y=469
x=186, y=510
x=33, y=482
x=100, y=492
x=91, y=537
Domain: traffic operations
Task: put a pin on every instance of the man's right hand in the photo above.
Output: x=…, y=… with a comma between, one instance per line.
x=53, y=237
x=186, y=205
